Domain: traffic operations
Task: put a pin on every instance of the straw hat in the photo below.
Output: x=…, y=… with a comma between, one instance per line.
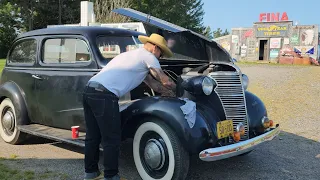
x=159, y=41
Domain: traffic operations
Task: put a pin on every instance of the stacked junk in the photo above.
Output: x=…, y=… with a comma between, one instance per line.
x=289, y=55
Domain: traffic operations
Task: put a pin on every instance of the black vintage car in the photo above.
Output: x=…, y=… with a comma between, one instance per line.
x=212, y=116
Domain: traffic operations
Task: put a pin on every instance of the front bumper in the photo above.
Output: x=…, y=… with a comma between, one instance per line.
x=214, y=154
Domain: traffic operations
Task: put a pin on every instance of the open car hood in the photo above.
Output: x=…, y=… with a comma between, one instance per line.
x=184, y=43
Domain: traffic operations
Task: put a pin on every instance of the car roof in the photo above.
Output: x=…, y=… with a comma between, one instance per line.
x=87, y=31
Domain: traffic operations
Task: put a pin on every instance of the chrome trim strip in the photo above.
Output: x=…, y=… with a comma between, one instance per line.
x=53, y=69
x=224, y=152
x=122, y=106
x=74, y=109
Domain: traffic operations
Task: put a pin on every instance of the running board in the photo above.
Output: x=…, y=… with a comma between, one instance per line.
x=52, y=133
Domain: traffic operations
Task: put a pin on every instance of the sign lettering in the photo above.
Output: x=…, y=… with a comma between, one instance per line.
x=271, y=30
x=273, y=17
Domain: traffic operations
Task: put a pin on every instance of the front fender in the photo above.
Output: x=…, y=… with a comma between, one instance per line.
x=194, y=139
x=256, y=110
x=12, y=91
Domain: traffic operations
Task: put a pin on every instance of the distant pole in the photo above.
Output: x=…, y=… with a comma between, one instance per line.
x=59, y=11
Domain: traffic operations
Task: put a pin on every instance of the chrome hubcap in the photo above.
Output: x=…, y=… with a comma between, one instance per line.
x=8, y=121
x=154, y=154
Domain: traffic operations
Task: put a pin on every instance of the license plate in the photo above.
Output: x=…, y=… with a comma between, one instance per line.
x=224, y=128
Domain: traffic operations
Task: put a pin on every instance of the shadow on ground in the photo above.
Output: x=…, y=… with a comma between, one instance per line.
x=287, y=157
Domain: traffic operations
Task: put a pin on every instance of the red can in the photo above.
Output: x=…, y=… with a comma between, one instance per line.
x=75, y=132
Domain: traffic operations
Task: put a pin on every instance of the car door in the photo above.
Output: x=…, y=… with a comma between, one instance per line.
x=66, y=66
x=20, y=70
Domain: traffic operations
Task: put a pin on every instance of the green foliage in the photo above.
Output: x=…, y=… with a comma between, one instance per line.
x=20, y=15
x=208, y=33
x=38, y=14
x=218, y=33
x=185, y=13
x=103, y=10
x=2, y=64
x=9, y=26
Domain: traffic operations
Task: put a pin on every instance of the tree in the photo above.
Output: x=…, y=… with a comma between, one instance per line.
x=226, y=32
x=36, y=14
x=185, y=13
x=218, y=33
x=207, y=32
x=10, y=25
x=103, y=10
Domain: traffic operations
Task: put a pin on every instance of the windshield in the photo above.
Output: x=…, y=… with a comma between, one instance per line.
x=183, y=47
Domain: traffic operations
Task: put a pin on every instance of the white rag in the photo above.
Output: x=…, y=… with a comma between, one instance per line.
x=189, y=110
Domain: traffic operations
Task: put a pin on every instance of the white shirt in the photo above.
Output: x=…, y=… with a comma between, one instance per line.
x=126, y=71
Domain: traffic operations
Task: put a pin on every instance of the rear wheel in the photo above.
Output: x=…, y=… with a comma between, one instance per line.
x=158, y=153
x=8, y=123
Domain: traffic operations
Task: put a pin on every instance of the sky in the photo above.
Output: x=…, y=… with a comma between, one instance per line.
x=227, y=14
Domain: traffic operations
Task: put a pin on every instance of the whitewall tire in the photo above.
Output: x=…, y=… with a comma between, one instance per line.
x=8, y=123
x=158, y=153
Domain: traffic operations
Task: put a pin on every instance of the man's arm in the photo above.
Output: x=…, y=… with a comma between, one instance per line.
x=160, y=76
x=158, y=87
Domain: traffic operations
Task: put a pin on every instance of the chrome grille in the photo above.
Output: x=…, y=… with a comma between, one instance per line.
x=231, y=93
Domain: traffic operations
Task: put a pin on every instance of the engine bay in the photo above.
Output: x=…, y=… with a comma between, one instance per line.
x=174, y=71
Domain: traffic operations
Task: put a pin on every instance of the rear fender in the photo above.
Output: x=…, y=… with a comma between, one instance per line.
x=194, y=138
x=13, y=92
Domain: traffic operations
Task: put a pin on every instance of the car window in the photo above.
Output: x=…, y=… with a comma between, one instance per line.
x=111, y=46
x=24, y=52
x=65, y=50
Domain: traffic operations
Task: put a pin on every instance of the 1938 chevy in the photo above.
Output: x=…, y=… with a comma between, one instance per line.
x=212, y=116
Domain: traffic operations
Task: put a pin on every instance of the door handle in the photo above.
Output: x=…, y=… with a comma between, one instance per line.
x=36, y=77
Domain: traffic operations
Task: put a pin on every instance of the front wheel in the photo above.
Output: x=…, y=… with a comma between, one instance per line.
x=8, y=123
x=158, y=153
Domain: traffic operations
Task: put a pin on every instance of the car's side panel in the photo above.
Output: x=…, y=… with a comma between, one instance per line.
x=168, y=110
x=256, y=110
x=60, y=97
x=59, y=91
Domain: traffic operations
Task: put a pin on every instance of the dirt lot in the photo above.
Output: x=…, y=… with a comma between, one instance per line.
x=291, y=94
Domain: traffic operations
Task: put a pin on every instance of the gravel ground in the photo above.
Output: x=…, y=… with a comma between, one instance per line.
x=291, y=94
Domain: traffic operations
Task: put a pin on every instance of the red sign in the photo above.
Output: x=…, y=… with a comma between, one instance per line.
x=272, y=17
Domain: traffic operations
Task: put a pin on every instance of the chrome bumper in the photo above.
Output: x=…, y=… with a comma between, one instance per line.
x=218, y=153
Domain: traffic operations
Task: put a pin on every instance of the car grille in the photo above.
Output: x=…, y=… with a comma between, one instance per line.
x=231, y=93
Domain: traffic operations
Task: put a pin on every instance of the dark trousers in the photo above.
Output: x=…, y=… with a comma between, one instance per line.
x=103, y=125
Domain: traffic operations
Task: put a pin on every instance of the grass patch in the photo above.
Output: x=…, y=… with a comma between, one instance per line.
x=13, y=156
x=7, y=173
x=2, y=63
x=47, y=174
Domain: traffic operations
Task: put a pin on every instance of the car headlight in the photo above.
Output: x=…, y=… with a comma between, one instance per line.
x=199, y=85
x=245, y=81
x=207, y=86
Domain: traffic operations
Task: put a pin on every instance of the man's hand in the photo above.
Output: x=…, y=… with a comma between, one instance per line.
x=158, y=87
x=160, y=76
